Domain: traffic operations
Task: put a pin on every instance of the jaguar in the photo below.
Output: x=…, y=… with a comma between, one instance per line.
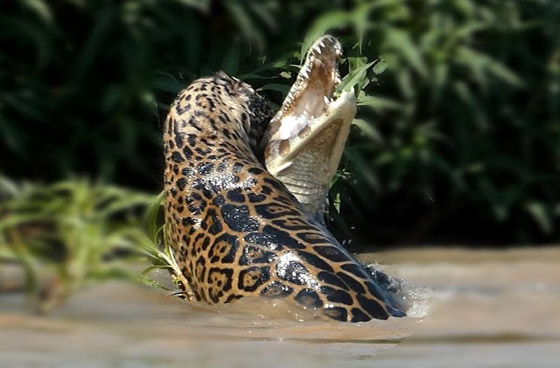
x=236, y=230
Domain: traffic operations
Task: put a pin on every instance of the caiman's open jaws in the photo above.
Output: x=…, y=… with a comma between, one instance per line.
x=306, y=138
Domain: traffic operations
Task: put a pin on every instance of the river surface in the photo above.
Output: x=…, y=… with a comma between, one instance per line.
x=470, y=309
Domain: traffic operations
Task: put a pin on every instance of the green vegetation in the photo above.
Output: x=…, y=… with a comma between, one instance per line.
x=158, y=253
x=458, y=132
x=71, y=234
x=75, y=233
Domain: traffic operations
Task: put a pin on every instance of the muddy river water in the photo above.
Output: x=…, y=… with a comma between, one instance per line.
x=470, y=309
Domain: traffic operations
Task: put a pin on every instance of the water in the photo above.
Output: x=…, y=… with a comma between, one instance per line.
x=472, y=309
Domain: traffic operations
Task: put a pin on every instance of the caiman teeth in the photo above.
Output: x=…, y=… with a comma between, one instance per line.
x=337, y=79
x=322, y=56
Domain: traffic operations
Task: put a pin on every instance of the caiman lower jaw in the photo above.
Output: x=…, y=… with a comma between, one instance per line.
x=307, y=161
x=324, y=135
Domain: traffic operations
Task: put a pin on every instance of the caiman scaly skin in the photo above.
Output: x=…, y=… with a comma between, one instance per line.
x=305, y=140
x=235, y=230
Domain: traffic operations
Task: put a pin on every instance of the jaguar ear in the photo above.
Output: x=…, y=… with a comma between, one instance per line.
x=237, y=85
x=223, y=78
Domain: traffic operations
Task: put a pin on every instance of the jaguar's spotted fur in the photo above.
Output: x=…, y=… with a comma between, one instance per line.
x=235, y=229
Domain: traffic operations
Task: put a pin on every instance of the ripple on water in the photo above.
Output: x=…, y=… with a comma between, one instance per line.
x=477, y=315
x=118, y=322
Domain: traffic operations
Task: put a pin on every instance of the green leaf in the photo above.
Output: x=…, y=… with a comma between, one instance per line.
x=379, y=67
x=360, y=19
x=243, y=20
x=377, y=103
x=148, y=281
x=112, y=273
x=276, y=87
x=252, y=76
x=481, y=64
x=202, y=5
x=167, y=82
x=324, y=23
x=540, y=215
x=503, y=73
x=399, y=40
x=354, y=78
x=264, y=14
x=40, y=8
x=369, y=130
x=231, y=61
x=152, y=214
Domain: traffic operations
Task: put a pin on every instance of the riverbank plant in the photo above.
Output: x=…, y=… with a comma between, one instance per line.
x=69, y=235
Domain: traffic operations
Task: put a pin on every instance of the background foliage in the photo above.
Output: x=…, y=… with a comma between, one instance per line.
x=458, y=132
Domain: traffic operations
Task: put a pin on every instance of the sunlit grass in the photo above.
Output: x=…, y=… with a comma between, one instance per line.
x=158, y=252
x=70, y=234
